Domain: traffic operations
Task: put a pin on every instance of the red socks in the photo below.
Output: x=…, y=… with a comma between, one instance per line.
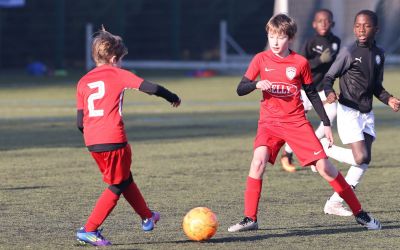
x=105, y=204
x=108, y=200
x=134, y=197
x=252, y=197
x=344, y=190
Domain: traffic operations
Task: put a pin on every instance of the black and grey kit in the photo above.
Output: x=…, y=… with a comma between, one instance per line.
x=360, y=68
x=312, y=50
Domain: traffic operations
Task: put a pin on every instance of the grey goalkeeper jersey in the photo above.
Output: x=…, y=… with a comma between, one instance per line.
x=360, y=69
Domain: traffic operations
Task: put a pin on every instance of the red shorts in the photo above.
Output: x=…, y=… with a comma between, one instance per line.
x=114, y=165
x=299, y=135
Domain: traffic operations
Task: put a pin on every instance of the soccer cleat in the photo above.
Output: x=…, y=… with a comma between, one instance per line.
x=336, y=208
x=366, y=220
x=286, y=162
x=148, y=224
x=246, y=224
x=94, y=238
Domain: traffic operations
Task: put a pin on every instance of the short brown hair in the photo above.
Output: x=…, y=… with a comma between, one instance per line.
x=106, y=45
x=282, y=24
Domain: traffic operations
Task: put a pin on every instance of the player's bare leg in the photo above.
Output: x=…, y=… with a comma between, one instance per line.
x=362, y=149
x=259, y=162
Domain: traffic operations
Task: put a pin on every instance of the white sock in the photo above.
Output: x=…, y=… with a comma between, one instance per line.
x=331, y=111
x=288, y=148
x=355, y=174
x=343, y=155
x=353, y=177
x=320, y=131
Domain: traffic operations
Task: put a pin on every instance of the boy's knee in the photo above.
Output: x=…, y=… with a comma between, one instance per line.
x=118, y=189
x=362, y=159
x=367, y=159
x=326, y=168
x=257, y=168
x=257, y=163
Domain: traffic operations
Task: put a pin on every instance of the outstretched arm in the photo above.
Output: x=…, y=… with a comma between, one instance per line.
x=158, y=90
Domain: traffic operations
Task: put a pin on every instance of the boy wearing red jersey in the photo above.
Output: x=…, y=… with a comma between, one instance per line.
x=99, y=100
x=282, y=118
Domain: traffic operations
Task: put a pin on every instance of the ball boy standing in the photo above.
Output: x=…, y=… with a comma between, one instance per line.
x=360, y=69
x=282, y=118
x=99, y=100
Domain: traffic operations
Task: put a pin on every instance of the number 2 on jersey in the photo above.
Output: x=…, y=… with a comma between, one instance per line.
x=99, y=85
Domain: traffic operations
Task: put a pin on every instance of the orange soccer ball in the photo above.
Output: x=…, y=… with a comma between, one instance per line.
x=200, y=224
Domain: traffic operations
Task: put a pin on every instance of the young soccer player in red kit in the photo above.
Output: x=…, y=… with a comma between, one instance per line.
x=282, y=118
x=99, y=116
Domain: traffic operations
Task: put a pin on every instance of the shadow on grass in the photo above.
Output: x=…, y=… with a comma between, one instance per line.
x=24, y=188
x=62, y=132
x=49, y=132
x=263, y=235
x=385, y=166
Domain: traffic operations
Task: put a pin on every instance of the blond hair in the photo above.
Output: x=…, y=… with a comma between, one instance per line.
x=282, y=24
x=106, y=45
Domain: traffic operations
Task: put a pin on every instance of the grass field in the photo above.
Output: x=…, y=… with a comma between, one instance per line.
x=196, y=155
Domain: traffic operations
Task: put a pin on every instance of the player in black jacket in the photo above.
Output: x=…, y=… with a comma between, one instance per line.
x=360, y=68
x=320, y=50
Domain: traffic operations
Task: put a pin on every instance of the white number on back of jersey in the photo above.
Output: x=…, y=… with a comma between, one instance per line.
x=95, y=96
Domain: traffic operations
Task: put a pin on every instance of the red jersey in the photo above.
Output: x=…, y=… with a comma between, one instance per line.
x=282, y=102
x=100, y=95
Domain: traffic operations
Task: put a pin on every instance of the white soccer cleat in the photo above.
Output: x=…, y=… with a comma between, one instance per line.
x=366, y=220
x=246, y=224
x=336, y=208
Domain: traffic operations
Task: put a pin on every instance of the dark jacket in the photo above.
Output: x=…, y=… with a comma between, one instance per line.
x=360, y=68
x=312, y=50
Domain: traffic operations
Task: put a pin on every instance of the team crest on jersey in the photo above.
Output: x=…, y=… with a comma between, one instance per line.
x=335, y=46
x=282, y=89
x=378, y=59
x=290, y=72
